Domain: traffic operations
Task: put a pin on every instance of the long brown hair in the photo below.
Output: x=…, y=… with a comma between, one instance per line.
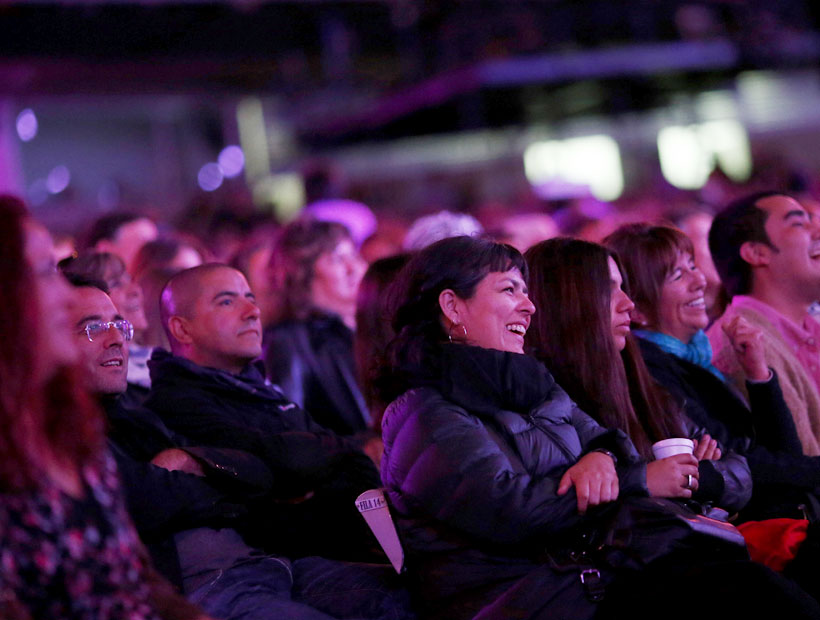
x=648, y=253
x=103, y=266
x=295, y=251
x=571, y=332
x=58, y=415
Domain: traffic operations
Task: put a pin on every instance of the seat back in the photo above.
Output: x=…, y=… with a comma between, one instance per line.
x=373, y=507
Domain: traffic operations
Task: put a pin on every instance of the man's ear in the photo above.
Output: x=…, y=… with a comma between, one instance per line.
x=449, y=303
x=755, y=253
x=178, y=326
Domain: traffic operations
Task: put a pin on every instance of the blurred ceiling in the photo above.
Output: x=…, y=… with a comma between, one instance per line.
x=368, y=70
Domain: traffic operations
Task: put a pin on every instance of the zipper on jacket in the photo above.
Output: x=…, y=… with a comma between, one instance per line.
x=552, y=435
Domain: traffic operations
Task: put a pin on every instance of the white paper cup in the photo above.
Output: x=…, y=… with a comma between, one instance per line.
x=673, y=446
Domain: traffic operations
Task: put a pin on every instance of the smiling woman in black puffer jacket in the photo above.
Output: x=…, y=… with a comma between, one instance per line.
x=489, y=465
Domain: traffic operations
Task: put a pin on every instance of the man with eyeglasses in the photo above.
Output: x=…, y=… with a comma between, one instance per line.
x=188, y=503
x=105, y=360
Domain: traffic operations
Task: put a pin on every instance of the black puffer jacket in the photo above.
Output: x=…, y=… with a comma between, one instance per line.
x=472, y=462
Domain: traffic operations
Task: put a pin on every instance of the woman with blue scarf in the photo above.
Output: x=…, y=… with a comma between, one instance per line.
x=669, y=318
x=581, y=333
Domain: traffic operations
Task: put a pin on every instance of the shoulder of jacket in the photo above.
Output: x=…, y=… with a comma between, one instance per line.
x=421, y=398
x=423, y=402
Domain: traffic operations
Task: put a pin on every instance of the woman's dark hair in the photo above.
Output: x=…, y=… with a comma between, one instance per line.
x=152, y=280
x=456, y=263
x=572, y=334
x=160, y=254
x=373, y=329
x=108, y=227
x=59, y=415
x=296, y=249
x=78, y=280
x=648, y=253
x=103, y=266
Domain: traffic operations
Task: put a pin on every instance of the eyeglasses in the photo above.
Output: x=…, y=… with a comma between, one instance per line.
x=98, y=329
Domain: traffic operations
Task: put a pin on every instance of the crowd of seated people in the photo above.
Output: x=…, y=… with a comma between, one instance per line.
x=174, y=450
x=602, y=370
x=669, y=319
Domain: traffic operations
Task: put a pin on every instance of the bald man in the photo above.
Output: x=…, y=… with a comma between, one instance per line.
x=188, y=503
x=211, y=389
x=211, y=318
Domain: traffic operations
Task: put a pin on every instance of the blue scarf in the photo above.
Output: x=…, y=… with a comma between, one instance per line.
x=698, y=351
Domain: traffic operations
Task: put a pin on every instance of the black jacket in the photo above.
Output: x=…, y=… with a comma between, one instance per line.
x=163, y=502
x=312, y=362
x=472, y=461
x=316, y=474
x=764, y=431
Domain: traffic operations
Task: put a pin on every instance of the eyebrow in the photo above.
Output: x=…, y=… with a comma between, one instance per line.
x=232, y=294
x=515, y=283
x=224, y=294
x=97, y=317
x=795, y=213
x=90, y=317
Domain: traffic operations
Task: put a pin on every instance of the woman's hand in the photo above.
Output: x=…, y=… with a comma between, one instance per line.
x=669, y=477
x=594, y=478
x=747, y=341
x=706, y=449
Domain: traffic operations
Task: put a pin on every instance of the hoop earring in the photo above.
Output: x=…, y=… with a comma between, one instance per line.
x=450, y=331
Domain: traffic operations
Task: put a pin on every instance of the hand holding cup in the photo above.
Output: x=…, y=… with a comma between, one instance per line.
x=674, y=473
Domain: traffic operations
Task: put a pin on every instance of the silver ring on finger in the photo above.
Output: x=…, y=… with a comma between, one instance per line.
x=689, y=482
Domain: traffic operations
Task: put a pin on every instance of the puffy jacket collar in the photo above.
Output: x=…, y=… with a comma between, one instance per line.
x=485, y=380
x=168, y=369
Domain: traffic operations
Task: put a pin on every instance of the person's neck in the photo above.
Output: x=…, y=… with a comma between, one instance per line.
x=790, y=303
x=107, y=401
x=232, y=369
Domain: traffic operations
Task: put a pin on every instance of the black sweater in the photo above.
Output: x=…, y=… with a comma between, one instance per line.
x=316, y=474
x=763, y=432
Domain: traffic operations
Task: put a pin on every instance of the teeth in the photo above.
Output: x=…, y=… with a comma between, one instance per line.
x=517, y=329
x=112, y=363
x=697, y=303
